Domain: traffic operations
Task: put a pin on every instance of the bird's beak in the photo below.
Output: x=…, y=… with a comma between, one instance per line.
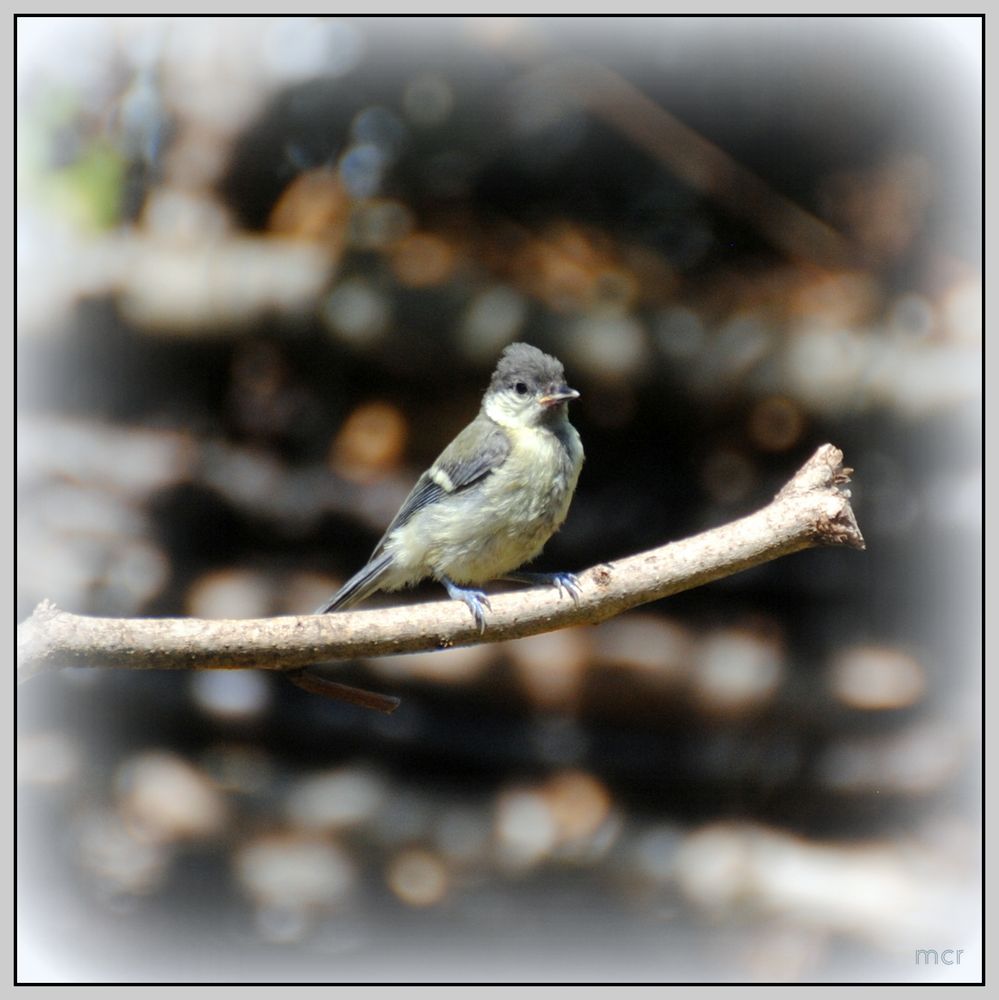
x=558, y=394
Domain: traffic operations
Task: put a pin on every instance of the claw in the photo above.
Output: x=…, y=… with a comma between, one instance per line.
x=567, y=582
x=475, y=600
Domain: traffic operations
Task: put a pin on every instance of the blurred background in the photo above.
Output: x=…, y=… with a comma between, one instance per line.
x=265, y=267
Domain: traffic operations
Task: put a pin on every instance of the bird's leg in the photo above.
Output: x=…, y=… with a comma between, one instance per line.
x=475, y=599
x=568, y=582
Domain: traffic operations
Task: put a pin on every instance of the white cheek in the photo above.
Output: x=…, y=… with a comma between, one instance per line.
x=506, y=410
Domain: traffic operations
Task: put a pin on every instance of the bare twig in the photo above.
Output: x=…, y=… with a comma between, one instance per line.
x=812, y=510
x=697, y=161
x=335, y=691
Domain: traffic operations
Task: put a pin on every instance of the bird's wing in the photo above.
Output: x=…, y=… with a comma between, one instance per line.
x=479, y=449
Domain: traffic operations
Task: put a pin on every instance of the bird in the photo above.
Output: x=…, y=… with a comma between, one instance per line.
x=493, y=497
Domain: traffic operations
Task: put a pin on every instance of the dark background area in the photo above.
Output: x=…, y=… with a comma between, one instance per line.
x=265, y=269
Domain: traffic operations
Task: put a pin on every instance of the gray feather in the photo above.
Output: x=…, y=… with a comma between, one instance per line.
x=479, y=449
x=362, y=584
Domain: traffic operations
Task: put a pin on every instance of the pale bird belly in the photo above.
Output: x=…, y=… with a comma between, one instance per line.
x=493, y=538
x=486, y=532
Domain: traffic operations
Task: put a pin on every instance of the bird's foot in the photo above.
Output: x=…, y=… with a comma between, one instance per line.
x=476, y=601
x=567, y=582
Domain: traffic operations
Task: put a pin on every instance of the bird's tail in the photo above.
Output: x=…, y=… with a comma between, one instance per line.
x=362, y=584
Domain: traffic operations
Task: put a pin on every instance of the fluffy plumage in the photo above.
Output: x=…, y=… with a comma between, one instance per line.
x=493, y=497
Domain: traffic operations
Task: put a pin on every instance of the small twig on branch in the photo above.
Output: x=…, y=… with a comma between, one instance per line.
x=335, y=691
x=812, y=510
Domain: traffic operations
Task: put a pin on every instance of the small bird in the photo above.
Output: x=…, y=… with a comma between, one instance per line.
x=492, y=499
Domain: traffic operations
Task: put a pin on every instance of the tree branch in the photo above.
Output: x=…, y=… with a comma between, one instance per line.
x=812, y=510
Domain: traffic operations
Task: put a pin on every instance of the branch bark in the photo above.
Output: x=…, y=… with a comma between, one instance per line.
x=812, y=510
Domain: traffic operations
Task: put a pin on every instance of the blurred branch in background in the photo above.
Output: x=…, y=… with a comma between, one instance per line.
x=812, y=510
x=700, y=163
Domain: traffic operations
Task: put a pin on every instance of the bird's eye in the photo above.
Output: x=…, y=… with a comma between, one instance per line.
x=520, y=388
